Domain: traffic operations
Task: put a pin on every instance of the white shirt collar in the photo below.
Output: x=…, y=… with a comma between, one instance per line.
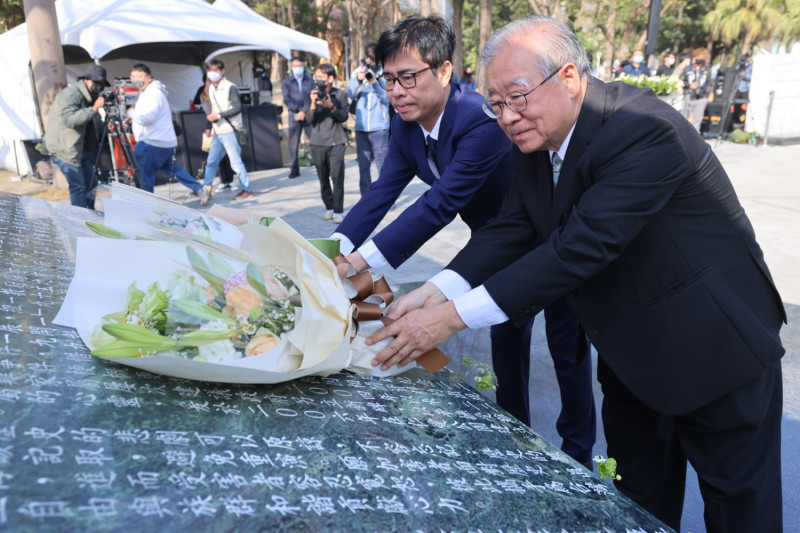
x=435, y=131
x=562, y=150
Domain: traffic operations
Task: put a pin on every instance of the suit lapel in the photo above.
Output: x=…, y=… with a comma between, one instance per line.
x=590, y=120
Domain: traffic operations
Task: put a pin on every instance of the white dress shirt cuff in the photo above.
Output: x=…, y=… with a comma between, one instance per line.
x=372, y=255
x=477, y=309
x=450, y=283
x=345, y=244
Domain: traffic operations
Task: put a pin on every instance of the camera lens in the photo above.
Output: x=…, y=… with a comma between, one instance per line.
x=369, y=75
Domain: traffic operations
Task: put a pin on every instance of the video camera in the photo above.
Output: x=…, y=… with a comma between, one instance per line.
x=322, y=94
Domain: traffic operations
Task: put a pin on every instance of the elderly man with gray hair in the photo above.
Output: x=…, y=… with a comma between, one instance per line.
x=645, y=236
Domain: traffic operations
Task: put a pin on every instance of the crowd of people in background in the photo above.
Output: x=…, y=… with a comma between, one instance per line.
x=365, y=117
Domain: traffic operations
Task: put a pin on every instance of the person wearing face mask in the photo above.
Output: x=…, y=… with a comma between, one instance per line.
x=225, y=118
x=71, y=136
x=296, y=88
x=372, y=117
x=469, y=78
x=326, y=110
x=667, y=66
x=697, y=84
x=637, y=66
x=151, y=120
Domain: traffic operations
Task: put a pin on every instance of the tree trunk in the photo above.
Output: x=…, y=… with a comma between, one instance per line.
x=47, y=57
x=483, y=36
x=424, y=7
x=458, y=27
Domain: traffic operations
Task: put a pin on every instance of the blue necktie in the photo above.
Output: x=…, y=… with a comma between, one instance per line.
x=557, y=161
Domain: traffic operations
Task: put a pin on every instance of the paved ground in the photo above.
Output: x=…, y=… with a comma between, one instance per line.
x=768, y=184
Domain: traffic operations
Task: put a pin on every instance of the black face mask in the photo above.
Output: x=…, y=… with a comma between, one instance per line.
x=699, y=62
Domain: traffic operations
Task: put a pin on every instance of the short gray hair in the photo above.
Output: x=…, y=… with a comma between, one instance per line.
x=558, y=44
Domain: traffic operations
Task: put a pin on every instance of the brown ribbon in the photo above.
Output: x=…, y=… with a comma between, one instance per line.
x=370, y=294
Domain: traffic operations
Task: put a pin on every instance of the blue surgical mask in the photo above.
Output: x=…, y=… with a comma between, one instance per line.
x=638, y=59
x=298, y=71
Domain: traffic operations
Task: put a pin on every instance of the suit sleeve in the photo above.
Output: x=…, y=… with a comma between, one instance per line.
x=396, y=173
x=479, y=150
x=632, y=178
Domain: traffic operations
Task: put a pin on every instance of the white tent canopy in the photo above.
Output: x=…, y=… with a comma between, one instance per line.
x=296, y=39
x=173, y=37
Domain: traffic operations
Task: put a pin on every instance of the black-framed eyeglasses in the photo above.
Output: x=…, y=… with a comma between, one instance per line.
x=407, y=80
x=516, y=101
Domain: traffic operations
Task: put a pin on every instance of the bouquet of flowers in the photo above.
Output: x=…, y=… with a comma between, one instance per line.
x=661, y=85
x=181, y=304
x=239, y=312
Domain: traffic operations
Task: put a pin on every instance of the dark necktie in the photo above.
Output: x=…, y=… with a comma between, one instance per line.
x=431, y=148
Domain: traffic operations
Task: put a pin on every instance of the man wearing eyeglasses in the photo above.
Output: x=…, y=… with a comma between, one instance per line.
x=647, y=239
x=444, y=138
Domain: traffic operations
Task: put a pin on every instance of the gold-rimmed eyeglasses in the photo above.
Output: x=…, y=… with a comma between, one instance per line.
x=407, y=80
x=515, y=100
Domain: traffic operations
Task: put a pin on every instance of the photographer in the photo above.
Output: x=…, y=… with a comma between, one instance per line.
x=326, y=110
x=372, y=117
x=72, y=133
x=154, y=132
x=698, y=84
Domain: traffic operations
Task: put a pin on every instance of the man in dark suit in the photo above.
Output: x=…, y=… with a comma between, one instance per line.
x=296, y=89
x=645, y=236
x=469, y=172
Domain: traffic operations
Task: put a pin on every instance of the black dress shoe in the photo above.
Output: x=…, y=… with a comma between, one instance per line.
x=294, y=175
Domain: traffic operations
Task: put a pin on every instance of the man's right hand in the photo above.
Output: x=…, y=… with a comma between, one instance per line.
x=100, y=102
x=300, y=116
x=426, y=296
x=361, y=73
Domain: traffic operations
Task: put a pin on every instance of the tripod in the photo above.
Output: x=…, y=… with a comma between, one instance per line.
x=117, y=131
x=732, y=99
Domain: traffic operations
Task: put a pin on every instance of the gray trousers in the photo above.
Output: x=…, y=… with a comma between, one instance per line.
x=693, y=111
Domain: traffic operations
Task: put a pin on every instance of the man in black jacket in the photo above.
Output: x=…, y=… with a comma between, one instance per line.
x=326, y=110
x=296, y=89
x=646, y=238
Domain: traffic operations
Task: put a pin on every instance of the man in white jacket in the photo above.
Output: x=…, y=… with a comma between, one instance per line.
x=154, y=132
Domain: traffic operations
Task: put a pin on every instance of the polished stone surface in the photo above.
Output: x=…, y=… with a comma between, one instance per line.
x=87, y=444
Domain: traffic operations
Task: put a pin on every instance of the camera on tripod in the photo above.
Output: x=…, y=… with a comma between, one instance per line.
x=322, y=94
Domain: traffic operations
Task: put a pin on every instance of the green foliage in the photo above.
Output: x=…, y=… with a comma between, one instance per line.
x=485, y=379
x=607, y=468
x=12, y=13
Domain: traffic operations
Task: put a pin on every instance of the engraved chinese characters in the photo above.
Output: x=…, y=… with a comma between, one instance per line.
x=86, y=444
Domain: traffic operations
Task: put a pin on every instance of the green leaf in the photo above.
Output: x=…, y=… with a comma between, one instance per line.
x=266, y=221
x=201, y=310
x=105, y=231
x=154, y=301
x=219, y=267
x=134, y=298
x=607, y=468
x=256, y=280
x=201, y=267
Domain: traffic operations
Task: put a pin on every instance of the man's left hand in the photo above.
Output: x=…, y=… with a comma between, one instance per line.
x=416, y=333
